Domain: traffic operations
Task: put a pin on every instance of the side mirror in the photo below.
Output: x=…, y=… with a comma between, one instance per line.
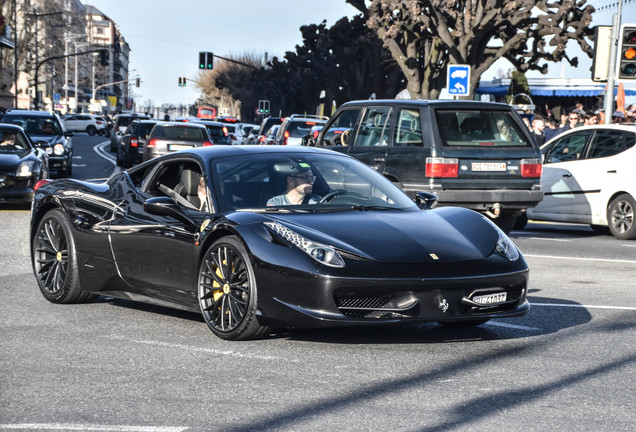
x=69, y=133
x=42, y=144
x=426, y=200
x=165, y=206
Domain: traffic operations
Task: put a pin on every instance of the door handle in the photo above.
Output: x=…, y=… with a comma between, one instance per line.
x=567, y=175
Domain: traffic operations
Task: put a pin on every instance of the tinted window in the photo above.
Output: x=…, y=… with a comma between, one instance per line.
x=178, y=132
x=35, y=124
x=568, y=148
x=408, y=130
x=12, y=141
x=301, y=129
x=606, y=143
x=480, y=128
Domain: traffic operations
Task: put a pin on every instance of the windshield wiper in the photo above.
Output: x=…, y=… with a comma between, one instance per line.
x=353, y=207
x=271, y=209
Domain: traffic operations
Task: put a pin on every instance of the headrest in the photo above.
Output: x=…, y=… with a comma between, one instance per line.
x=190, y=181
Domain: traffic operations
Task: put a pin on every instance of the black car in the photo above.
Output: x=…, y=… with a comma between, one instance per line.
x=44, y=126
x=218, y=131
x=120, y=124
x=132, y=143
x=22, y=164
x=358, y=252
x=473, y=154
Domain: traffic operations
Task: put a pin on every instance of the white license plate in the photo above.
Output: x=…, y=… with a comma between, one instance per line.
x=489, y=166
x=176, y=147
x=490, y=298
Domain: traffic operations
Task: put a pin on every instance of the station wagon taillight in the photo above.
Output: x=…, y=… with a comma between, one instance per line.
x=285, y=137
x=152, y=143
x=133, y=141
x=442, y=167
x=531, y=168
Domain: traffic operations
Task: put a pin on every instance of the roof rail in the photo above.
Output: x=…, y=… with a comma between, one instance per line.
x=309, y=116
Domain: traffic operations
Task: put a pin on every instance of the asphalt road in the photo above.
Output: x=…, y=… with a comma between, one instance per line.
x=114, y=365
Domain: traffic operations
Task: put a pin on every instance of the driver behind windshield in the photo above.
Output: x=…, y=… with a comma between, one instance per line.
x=299, y=188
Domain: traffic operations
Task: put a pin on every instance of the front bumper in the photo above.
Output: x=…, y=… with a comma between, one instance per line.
x=308, y=300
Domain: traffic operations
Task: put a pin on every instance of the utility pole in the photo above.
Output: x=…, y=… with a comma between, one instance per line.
x=609, y=91
x=37, y=62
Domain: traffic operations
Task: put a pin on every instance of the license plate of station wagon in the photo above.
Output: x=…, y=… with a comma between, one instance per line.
x=490, y=298
x=488, y=166
x=176, y=147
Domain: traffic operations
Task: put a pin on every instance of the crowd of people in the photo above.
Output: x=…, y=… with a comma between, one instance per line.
x=545, y=128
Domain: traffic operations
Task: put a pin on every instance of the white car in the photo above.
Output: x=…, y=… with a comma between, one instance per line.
x=85, y=123
x=589, y=177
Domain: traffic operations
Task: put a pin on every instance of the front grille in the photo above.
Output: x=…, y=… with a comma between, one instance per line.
x=374, y=307
x=364, y=302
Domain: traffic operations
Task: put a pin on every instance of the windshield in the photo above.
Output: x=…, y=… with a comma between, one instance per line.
x=11, y=141
x=34, y=125
x=303, y=182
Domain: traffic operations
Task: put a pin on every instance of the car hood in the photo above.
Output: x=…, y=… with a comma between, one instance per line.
x=9, y=161
x=441, y=235
x=51, y=139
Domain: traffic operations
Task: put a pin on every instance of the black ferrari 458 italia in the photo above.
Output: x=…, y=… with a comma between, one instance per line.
x=257, y=238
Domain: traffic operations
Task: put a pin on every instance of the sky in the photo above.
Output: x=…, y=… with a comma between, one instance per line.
x=166, y=36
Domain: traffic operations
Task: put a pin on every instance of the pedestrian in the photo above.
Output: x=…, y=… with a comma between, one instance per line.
x=552, y=130
x=538, y=127
x=573, y=121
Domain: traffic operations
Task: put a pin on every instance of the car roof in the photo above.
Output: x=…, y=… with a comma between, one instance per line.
x=209, y=122
x=180, y=124
x=432, y=103
x=213, y=152
x=30, y=112
x=11, y=126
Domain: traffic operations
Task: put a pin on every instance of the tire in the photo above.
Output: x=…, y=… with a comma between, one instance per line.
x=463, y=323
x=55, y=260
x=505, y=222
x=620, y=217
x=126, y=161
x=92, y=130
x=118, y=158
x=521, y=221
x=227, y=287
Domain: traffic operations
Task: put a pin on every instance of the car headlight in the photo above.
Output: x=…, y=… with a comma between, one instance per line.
x=504, y=246
x=58, y=149
x=320, y=252
x=25, y=169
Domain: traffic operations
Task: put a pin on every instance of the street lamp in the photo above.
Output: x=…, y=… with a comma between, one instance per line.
x=37, y=15
x=67, y=38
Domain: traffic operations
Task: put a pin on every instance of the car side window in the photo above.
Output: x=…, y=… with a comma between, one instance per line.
x=341, y=129
x=568, y=148
x=606, y=143
x=373, y=130
x=408, y=131
x=179, y=180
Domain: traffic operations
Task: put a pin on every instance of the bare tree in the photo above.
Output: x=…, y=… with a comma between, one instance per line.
x=424, y=36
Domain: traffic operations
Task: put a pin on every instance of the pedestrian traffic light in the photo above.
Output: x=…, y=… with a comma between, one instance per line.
x=203, y=60
x=627, y=52
x=103, y=57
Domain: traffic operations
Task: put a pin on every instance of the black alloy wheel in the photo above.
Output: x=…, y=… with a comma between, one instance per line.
x=227, y=291
x=620, y=217
x=55, y=260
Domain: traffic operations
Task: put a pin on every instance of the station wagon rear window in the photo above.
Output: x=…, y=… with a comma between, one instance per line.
x=480, y=128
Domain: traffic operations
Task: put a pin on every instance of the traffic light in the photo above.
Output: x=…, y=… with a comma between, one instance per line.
x=181, y=82
x=185, y=81
x=266, y=107
x=138, y=82
x=202, y=60
x=103, y=57
x=627, y=52
x=261, y=107
x=209, y=64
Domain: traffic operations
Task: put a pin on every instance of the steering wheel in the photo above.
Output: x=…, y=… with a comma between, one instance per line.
x=331, y=195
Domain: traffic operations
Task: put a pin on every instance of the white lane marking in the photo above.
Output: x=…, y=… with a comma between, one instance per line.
x=99, y=149
x=203, y=350
x=547, y=239
x=79, y=165
x=77, y=157
x=91, y=427
x=584, y=306
x=512, y=326
x=581, y=259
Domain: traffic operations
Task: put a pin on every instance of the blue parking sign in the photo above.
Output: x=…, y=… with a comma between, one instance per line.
x=458, y=79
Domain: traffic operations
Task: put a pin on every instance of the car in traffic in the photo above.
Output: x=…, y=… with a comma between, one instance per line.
x=88, y=123
x=297, y=126
x=46, y=130
x=472, y=154
x=120, y=123
x=133, y=141
x=217, y=131
x=265, y=126
x=167, y=137
x=270, y=136
x=249, y=266
x=588, y=178
x=22, y=164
